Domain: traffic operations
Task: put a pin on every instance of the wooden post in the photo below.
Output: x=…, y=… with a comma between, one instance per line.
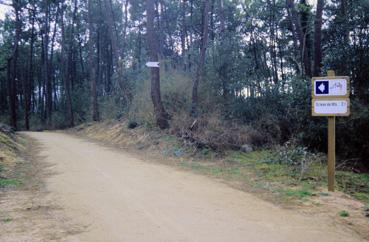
x=331, y=147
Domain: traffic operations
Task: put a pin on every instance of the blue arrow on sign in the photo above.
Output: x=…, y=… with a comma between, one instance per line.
x=322, y=87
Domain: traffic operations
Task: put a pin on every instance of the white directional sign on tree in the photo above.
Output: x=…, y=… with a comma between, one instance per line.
x=331, y=87
x=152, y=64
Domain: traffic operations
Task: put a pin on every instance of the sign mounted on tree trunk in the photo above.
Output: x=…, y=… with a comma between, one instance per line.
x=152, y=64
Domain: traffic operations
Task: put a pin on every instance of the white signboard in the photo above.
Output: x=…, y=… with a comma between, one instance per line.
x=327, y=107
x=152, y=64
x=327, y=87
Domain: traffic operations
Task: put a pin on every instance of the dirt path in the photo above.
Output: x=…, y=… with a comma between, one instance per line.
x=120, y=198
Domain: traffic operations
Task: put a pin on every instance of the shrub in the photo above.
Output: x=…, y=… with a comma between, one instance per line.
x=132, y=124
x=297, y=157
x=213, y=132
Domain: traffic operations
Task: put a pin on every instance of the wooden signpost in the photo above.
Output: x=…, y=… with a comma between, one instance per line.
x=330, y=97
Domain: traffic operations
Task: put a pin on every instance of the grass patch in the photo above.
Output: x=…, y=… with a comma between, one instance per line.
x=354, y=184
x=5, y=182
x=282, y=178
x=300, y=193
x=344, y=213
x=7, y=220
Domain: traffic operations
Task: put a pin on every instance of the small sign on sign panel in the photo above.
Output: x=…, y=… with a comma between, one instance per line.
x=331, y=107
x=330, y=87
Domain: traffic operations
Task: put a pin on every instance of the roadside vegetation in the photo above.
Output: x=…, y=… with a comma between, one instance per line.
x=10, y=149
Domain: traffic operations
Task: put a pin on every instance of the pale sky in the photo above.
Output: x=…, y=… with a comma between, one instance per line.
x=3, y=10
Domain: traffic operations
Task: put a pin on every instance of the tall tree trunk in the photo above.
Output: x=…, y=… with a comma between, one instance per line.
x=222, y=53
x=91, y=65
x=201, y=65
x=29, y=81
x=12, y=67
x=69, y=118
x=318, y=37
x=120, y=83
x=109, y=15
x=51, y=64
x=183, y=31
x=152, y=42
x=302, y=37
x=45, y=65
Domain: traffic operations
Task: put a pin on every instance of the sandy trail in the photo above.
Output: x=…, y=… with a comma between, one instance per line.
x=121, y=198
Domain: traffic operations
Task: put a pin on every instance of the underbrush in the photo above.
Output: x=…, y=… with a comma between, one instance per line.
x=9, y=147
x=211, y=132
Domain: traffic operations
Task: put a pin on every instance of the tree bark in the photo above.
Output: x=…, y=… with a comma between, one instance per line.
x=69, y=118
x=29, y=81
x=12, y=67
x=200, y=67
x=45, y=65
x=92, y=64
x=152, y=42
x=300, y=35
x=318, y=37
x=183, y=31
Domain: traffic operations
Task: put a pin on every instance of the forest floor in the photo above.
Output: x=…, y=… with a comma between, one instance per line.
x=134, y=185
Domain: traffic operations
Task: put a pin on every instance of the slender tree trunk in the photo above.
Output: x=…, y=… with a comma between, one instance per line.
x=183, y=31
x=302, y=36
x=108, y=14
x=223, y=54
x=29, y=81
x=12, y=67
x=51, y=64
x=45, y=65
x=66, y=76
x=152, y=42
x=91, y=65
x=318, y=37
x=120, y=83
x=201, y=65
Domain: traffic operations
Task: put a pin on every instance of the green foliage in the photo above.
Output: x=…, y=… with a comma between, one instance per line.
x=4, y=182
x=355, y=184
x=293, y=155
x=344, y=213
x=7, y=220
x=132, y=124
x=300, y=193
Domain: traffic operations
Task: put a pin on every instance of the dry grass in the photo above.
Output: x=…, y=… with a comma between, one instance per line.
x=9, y=147
x=212, y=132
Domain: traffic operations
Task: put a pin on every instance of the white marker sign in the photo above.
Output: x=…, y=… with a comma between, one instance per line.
x=326, y=107
x=152, y=64
x=327, y=87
